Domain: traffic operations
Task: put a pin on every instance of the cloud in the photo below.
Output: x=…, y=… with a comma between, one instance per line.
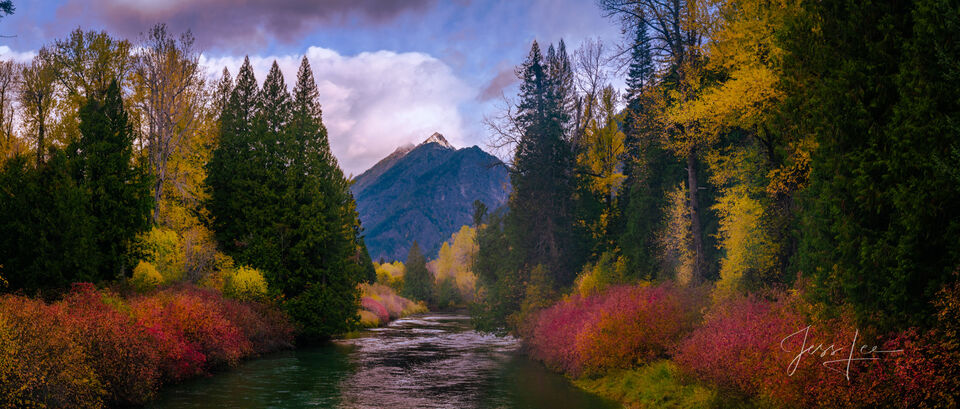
x=234, y=23
x=373, y=102
x=494, y=88
x=8, y=54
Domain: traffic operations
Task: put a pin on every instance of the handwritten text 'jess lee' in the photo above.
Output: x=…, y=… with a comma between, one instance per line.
x=842, y=365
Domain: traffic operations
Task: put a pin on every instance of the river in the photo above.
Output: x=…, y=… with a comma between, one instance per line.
x=424, y=361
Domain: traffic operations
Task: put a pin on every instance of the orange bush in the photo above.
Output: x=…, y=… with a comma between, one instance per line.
x=41, y=364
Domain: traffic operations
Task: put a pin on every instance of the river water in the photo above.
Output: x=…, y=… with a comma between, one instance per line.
x=425, y=361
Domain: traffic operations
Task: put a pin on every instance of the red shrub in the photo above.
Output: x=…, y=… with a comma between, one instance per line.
x=620, y=328
x=754, y=347
x=264, y=326
x=373, y=306
x=179, y=358
x=552, y=335
x=633, y=325
x=93, y=348
x=198, y=318
x=121, y=353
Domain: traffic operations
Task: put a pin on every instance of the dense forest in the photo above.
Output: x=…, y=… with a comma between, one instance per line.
x=128, y=164
x=795, y=160
x=762, y=145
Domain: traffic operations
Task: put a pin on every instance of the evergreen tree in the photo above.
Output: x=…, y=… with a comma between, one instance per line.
x=880, y=219
x=232, y=175
x=562, y=89
x=120, y=199
x=650, y=169
x=280, y=202
x=417, y=280
x=274, y=102
x=74, y=217
x=640, y=72
x=541, y=217
x=318, y=188
x=221, y=94
x=48, y=238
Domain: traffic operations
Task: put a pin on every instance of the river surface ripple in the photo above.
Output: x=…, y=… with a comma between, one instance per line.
x=425, y=361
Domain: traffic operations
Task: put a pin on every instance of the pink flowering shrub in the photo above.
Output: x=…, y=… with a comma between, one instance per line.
x=620, y=328
x=394, y=305
x=179, y=358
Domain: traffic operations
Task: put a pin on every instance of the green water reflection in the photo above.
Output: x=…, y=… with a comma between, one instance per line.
x=429, y=361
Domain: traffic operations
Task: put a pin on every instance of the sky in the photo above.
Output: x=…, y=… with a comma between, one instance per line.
x=390, y=72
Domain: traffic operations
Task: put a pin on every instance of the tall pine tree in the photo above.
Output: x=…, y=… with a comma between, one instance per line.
x=541, y=206
x=280, y=202
x=119, y=189
x=649, y=168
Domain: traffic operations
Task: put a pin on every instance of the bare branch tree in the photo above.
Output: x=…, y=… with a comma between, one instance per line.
x=36, y=92
x=169, y=91
x=505, y=128
x=9, y=79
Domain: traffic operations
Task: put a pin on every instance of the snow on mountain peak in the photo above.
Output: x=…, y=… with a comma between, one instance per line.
x=439, y=139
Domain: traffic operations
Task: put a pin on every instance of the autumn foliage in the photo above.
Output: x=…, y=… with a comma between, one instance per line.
x=379, y=304
x=748, y=346
x=96, y=348
x=620, y=328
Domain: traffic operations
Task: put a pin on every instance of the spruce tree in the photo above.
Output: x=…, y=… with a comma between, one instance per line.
x=274, y=102
x=232, y=175
x=541, y=220
x=280, y=202
x=331, y=256
x=640, y=72
x=650, y=169
x=417, y=280
x=221, y=94
x=560, y=73
x=120, y=199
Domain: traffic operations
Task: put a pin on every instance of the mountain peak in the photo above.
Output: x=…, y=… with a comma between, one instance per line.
x=438, y=139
